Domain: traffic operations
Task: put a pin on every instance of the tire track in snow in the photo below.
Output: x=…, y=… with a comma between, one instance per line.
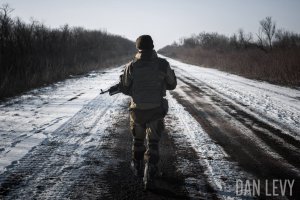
x=247, y=146
x=273, y=140
x=279, y=111
x=38, y=113
x=221, y=172
x=44, y=172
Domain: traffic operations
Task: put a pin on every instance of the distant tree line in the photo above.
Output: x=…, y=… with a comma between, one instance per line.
x=32, y=55
x=273, y=56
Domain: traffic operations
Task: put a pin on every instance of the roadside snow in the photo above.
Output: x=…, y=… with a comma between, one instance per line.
x=26, y=120
x=275, y=104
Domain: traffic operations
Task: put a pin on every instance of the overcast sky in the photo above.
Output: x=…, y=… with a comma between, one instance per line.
x=165, y=20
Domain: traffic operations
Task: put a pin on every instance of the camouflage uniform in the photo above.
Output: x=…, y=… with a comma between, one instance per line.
x=146, y=80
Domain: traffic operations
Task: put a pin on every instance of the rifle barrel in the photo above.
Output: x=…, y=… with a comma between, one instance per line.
x=105, y=91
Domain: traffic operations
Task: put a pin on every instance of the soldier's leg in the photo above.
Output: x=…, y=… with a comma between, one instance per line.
x=138, y=148
x=154, y=130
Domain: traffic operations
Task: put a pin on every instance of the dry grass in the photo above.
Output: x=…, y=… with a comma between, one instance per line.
x=279, y=66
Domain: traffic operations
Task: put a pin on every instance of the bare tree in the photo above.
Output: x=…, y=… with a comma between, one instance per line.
x=268, y=28
x=244, y=39
x=260, y=38
x=5, y=10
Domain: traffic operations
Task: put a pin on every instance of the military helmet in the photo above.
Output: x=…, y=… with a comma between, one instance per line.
x=144, y=42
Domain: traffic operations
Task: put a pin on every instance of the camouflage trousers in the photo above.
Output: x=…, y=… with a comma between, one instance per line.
x=149, y=125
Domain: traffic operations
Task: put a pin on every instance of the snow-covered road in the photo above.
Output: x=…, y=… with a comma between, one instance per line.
x=55, y=141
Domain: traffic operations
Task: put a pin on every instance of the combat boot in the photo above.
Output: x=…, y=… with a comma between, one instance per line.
x=137, y=167
x=150, y=173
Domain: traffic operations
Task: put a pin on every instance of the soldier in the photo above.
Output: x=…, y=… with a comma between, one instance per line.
x=146, y=80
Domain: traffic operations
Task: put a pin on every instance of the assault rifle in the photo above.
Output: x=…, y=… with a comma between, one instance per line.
x=115, y=89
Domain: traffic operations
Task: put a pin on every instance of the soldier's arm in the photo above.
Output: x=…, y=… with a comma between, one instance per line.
x=171, y=80
x=126, y=80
